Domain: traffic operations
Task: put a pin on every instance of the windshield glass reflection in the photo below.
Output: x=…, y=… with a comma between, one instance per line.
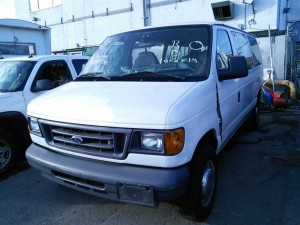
x=14, y=74
x=170, y=51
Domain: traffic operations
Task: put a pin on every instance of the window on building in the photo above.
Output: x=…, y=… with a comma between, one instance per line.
x=9, y=48
x=43, y=4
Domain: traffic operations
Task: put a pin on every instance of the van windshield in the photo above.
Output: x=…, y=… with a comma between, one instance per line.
x=168, y=53
x=14, y=74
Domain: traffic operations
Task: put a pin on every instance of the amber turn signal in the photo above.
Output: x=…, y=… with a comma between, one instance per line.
x=174, y=141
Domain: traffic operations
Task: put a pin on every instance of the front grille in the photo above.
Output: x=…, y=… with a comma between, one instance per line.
x=87, y=140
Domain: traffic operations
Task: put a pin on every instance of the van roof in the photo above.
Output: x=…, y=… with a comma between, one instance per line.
x=187, y=24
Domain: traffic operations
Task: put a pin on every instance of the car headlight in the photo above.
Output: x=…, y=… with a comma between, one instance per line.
x=152, y=141
x=168, y=142
x=34, y=126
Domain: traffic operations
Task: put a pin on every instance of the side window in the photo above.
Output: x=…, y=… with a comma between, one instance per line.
x=257, y=60
x=56, y=71
x=78, y=63
x=243, y=49
x=223, y=50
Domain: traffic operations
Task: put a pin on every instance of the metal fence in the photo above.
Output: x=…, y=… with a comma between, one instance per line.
x=281, y=54
x=273, y=53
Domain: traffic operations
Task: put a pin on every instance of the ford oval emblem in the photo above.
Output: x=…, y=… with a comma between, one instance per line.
x=77, y=139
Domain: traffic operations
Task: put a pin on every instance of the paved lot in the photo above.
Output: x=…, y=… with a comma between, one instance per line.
x=259, y=183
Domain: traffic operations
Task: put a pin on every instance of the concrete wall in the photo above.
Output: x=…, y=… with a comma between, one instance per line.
x=15, y=9
x=86, y=30
x=200, y=10
x=91, y=24
x=92, y=31
x=294, y=6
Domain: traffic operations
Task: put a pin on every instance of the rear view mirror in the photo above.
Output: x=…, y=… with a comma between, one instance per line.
x=42, y=85
x=237, y=68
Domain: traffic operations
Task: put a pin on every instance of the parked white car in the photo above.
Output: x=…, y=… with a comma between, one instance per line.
x=148, y=115
x=21, y=80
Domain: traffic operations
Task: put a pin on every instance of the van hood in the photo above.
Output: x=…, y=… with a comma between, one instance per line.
x=118, y=104
x=5, y=95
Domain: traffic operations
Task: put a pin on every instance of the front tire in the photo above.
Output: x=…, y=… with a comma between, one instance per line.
x=8, y=151
x=198, y=203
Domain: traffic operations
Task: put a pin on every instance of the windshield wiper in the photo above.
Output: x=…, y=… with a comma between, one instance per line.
x=96, y=75
x=4, y=90
x=145, y=74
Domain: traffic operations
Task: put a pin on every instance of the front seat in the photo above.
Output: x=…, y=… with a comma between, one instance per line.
x=145, y=59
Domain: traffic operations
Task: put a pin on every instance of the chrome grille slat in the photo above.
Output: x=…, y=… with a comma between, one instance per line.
x=84, y=135
x=86, y=141
x=93, y=145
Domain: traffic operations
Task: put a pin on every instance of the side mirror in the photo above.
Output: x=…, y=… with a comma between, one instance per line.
x=237, y=68
x=42, y=85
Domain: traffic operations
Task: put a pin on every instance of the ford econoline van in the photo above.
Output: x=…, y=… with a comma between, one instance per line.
x=147, y=117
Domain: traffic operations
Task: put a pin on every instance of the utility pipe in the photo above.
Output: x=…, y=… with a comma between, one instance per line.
x=271, y=59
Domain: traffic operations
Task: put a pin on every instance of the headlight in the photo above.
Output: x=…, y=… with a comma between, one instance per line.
x=169, y=142
x=34, y=126
x=152, y=141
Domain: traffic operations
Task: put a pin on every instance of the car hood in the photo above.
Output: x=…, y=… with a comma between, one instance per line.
x=5, y=95
x=118, y=104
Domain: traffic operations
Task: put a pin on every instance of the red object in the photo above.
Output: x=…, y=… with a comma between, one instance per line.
x=273, y=93
x=279, y=102
x=276, y=95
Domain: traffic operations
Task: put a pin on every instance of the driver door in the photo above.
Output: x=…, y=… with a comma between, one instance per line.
x=228, y=90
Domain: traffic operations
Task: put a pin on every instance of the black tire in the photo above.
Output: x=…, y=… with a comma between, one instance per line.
x=8, y=151
x=198, y=202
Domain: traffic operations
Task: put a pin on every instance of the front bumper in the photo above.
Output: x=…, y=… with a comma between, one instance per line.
x=119, y=182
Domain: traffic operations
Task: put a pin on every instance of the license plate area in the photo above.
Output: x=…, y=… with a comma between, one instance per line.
x=140, y=194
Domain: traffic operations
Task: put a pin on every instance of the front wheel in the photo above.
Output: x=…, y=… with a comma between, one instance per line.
x=8, y=151
x=198, y=203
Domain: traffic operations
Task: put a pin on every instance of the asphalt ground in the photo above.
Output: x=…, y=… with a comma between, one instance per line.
x=259, y=184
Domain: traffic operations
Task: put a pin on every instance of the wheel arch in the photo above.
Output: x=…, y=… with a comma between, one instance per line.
x=258, y=95
x=209, y=138
x=16, y=123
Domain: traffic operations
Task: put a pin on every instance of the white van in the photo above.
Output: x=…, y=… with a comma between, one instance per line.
x=148, y=115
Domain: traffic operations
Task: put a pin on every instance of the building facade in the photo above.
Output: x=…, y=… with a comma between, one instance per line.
x=78, y=24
